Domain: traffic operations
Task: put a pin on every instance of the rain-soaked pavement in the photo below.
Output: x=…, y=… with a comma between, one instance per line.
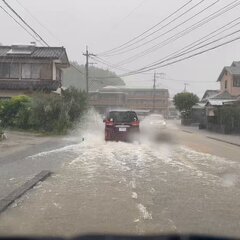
x=164, y=186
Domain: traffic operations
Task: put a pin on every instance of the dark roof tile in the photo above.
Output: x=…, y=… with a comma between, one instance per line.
x=36, y=52
x=223, y=95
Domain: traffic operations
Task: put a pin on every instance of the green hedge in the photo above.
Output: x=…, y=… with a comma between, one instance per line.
x=43, y=112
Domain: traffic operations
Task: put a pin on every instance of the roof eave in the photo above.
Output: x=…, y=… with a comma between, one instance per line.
x=221, y=74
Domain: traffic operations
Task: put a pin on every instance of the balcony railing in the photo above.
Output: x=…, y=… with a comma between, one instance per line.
x=47, y=85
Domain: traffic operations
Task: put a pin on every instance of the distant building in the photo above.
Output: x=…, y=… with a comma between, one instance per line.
x=208, y=94
x=27, y=68
x=102, y=100
x=204, y=111
x=131, y=98
x=230, y=79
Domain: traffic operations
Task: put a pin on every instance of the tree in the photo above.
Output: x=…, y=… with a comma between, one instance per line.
x=184, y=102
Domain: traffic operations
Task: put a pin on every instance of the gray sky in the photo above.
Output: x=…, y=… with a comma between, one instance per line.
x=105, y=24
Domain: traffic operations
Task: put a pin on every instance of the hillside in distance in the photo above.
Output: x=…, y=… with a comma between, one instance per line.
x=98, y=78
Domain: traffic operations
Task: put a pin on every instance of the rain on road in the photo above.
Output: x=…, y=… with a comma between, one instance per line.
x=136, y=188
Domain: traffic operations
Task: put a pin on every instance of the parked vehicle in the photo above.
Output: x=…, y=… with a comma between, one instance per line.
x=121, y=126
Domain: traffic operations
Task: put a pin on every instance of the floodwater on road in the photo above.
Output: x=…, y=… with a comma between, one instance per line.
x=115, y=187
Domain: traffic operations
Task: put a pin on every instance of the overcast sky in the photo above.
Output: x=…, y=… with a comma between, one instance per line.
x=105, y=24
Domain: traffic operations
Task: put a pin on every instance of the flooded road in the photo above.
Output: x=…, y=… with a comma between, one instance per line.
x=164, y=186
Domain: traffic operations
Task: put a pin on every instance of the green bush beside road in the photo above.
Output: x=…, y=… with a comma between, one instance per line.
x=49, y=113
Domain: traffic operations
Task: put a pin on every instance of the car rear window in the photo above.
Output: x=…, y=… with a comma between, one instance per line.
x=127, y=116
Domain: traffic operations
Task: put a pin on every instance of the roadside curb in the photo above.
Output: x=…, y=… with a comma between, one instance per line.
x=221, y=140
x=8, y=200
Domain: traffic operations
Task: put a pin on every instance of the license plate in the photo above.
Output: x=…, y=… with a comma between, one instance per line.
x=122, y=129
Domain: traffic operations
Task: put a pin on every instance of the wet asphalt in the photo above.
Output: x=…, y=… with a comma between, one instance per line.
x=170, y=182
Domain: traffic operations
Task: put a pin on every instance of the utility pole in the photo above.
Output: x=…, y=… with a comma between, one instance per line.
x=154, y=91
x=162, y=75
x=87, y=55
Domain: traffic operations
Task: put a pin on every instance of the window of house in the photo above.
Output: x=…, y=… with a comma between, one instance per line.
x=236, y=82
x=46, y=71
x=36, y=69
x=14, y=70
x=226, y=84
x=26, y=70
x=4, y=70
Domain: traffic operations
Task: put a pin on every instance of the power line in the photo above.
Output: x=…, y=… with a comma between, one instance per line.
x=202, y=46
x=186, y=49
x=206, y=37
x=193, y=27
x=157, y=66
x=37, y=20
x=72, y=65
x=34, y=31
x=166, y=32
x=25, y=23
x=175, y=37
x=182, y=59
x=25, y=29
x=161, y=65
x=100, y=60
x=129, y=14
x=169, y=16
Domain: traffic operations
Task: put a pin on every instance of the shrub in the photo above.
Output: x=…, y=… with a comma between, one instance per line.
x=77, y=102
x=9, y=110
x=43, y=112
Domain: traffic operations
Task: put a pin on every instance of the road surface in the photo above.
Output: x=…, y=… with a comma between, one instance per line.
x=180, y=183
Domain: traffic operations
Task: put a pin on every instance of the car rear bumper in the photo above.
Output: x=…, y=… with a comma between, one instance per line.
x=113, y=134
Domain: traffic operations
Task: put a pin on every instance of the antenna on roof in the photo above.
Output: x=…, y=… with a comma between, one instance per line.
x=185, y=87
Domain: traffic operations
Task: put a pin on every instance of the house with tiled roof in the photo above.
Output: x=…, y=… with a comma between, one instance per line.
x=229, y=79
x=208, y=94
x=28, y=68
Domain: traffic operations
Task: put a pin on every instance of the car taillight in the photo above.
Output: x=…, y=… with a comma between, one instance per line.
x=109, y=123
x=135, y=124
